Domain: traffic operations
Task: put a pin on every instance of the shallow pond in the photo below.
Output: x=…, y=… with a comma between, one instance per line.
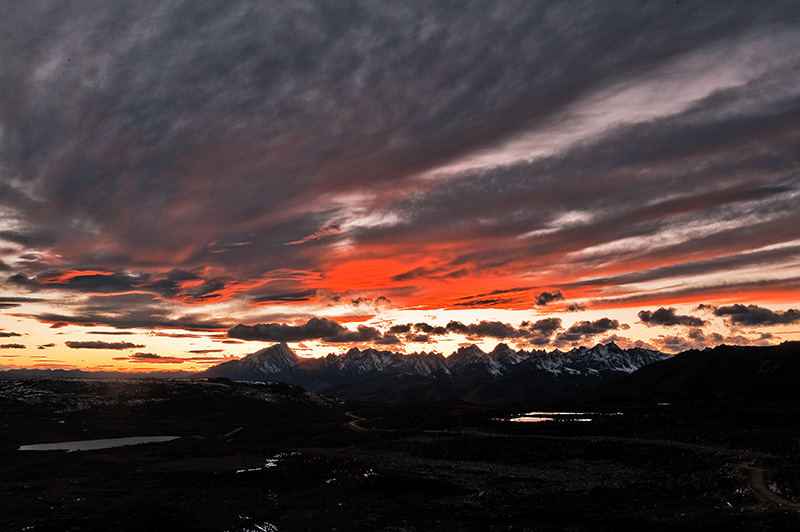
x=533, y=417
x=91, y=445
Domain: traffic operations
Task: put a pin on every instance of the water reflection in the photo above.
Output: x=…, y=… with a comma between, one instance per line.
x=535, y=417
x=91, y=445
x=270, y=462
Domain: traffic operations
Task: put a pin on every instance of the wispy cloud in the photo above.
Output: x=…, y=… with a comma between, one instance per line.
x=102, y=345
x=668, y=317
x=533, y=156
x=755, y=316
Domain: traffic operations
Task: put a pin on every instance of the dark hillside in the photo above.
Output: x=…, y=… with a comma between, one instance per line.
x=726, y=374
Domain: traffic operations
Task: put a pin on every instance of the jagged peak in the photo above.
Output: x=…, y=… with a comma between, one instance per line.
x=279, y=359
x=470, y=349
x=280, y=351
x=502, y=348
x=357, y=353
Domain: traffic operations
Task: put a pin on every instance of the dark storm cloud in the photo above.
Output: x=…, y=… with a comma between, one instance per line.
x=615, y=208
x=145, y=355
x=755, y=316
x=545, y=298
x=387, y=339
x=131, y=320
x=142, y=135
x=429, y=273
x=284, y=297
x=400, y=329
x=536, y=333
x=176, y=284
x=484, y=328
x=132, y=304
x=584, y=330
x=418, y=338
x=314, y=329
x=102, y=345
x=12, y=346
x=508, y=296
x=6, y=334
x=10, y=302
x=789, y=285
x=546, y=326
x=332, y=332
x=697, y=339
x=427, y=328
x=647, y=161
x=92, y=283
x=668, y=318
x=416, y=273
x=152, y=358
x=540, y=333
x=25, y=239
x=719, y=264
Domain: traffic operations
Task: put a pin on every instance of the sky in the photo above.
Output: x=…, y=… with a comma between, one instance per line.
x=186, y=182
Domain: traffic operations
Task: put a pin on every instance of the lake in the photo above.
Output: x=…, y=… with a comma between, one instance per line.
x=533, y=417
x=91, y=445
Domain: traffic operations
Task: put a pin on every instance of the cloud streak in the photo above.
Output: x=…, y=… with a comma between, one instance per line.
x=167, y=165
x=755, y=316
x=668, y=317
x=314, y=329
x=102, y=345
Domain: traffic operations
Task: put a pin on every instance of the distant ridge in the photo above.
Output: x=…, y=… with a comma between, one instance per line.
x=502, y=376
x=35, y=373
x=725, y=374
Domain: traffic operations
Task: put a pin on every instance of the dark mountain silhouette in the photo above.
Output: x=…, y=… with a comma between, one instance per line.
x=725, y=374
x=502, y=376
x=35, y=373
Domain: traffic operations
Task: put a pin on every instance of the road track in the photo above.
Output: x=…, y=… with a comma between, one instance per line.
x=755, y=476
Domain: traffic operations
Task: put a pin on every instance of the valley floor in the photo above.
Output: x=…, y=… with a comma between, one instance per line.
x=249, y=464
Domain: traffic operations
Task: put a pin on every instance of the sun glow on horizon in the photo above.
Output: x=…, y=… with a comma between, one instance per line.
x=405, y=186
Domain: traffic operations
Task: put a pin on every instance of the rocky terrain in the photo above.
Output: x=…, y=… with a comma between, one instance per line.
x=502, y=376
x=272, y=456
x=727, y=374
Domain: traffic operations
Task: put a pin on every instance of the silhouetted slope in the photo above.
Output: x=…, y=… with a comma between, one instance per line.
x=725, y=374
x=502, y=376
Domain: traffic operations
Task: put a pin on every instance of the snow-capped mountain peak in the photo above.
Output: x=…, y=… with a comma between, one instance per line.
x=273, y=359
x=468, y=365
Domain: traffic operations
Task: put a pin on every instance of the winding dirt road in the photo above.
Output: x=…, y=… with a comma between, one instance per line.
x=355, y=420
x=755, y=476
x=757, y=484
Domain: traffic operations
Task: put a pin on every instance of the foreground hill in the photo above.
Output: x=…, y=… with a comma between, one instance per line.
x=273, y=457
x=725, y=374
x=502, y=376
x=44, y=410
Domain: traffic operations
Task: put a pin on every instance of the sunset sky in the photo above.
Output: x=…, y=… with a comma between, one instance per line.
x=185, y=182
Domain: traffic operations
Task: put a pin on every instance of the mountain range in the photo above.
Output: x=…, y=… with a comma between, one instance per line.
x=501, y=376
x=726, y=374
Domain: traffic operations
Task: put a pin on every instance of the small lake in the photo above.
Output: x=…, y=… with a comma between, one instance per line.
x=91, y=445
x=534, y=417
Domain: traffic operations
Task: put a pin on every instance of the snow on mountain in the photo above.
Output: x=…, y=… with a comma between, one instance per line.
x=274, y=359
x=470, y=374
x=469, y=356
x=468, y=362
x=368, y=361
x=608, y=357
